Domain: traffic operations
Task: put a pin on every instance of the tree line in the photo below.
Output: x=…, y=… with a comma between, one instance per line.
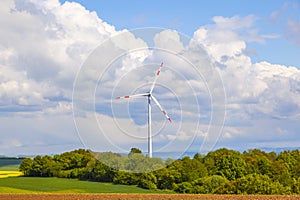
x=222, y=171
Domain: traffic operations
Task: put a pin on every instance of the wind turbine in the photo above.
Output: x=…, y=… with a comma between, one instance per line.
x=150, y=97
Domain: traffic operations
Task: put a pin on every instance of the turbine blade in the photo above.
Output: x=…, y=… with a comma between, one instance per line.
x=133, y=96
x=156, y=77
x=161, y=108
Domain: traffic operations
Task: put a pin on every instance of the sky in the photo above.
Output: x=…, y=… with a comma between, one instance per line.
x=231, y=75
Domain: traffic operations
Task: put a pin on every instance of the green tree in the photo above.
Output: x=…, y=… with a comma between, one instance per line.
x=295, y=167
x=185, y=187
x=253, y=184
x=167, y=178
x=287, y=159
x=115, y=161
x=227, y=163
x=279, y=172
x=42, y=166
x=134, y=151
x=189, y=169
x=199, y=157
x=97, y=171
x=148, y=181
x=26, y=167
x=296, y=186
x=258, y=161
x=126, y=178
x=138, y=163
x=208, y=184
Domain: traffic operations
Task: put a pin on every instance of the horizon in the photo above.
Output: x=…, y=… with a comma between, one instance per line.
x=162, y=155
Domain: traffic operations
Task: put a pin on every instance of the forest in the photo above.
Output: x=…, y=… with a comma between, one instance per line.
x=222, y=171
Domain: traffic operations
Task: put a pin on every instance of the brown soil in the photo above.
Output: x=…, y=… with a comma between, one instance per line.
x=142, y=196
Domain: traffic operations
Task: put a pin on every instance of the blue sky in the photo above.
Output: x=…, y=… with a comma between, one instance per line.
x=56, y=90
x=188, y=16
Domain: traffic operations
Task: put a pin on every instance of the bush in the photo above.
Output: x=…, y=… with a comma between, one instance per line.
x=253, y=184
x=148, y=181
x=184, y=187
x=208, y=184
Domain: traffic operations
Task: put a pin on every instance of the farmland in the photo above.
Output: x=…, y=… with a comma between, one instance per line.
x=58, y=188
x=10, y=163
x=144, y=196
x=61, y=188
x=61, y=185
x=222, y=171
x=6, y=174
x=9, y=167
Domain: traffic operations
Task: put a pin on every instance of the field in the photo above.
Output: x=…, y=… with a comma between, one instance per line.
x=6, y=174
x=13, y=187
x=56, y=188
x=9, y=167
x=142, y=196
x=10, y=162
x=60, y=185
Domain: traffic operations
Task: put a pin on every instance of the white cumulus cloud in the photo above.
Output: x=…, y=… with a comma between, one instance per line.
x=43, y=44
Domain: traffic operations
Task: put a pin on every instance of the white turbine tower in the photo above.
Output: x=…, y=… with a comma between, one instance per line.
x=150, y=96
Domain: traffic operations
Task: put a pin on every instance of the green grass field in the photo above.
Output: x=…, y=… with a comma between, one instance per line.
x=56, y=185
x=9, y=168
x=60, y=185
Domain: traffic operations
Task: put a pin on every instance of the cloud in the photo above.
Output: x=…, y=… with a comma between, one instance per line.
x=228, y=36
x=258, y=83
x=262, y=90
x=168, y=40
x=37, y=134
x=181, y=136
x=286, y=17
x=293, y=31
x=251, y=88
x=43, y=44
x=234, y=23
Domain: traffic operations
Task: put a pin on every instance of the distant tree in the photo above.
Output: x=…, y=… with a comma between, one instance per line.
x=97, y=171
x=134, y=151
x=138, y=163
x=167, y=178
x=279, y=172
x=272, y=155
x=186, y=170
x=26, y=167
x=192, y=169
x=287, y=159
x=126, y=178
x=42, y=166
x=199, y=157
x=253, y=184
x=264, y=165
x=296, y=186
x=221, y=171
x=148, y=181
x=185, y=187
x=208, y=184
x=168, y=161
x=227, y=163
x=258, y=162
x=114, y=160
